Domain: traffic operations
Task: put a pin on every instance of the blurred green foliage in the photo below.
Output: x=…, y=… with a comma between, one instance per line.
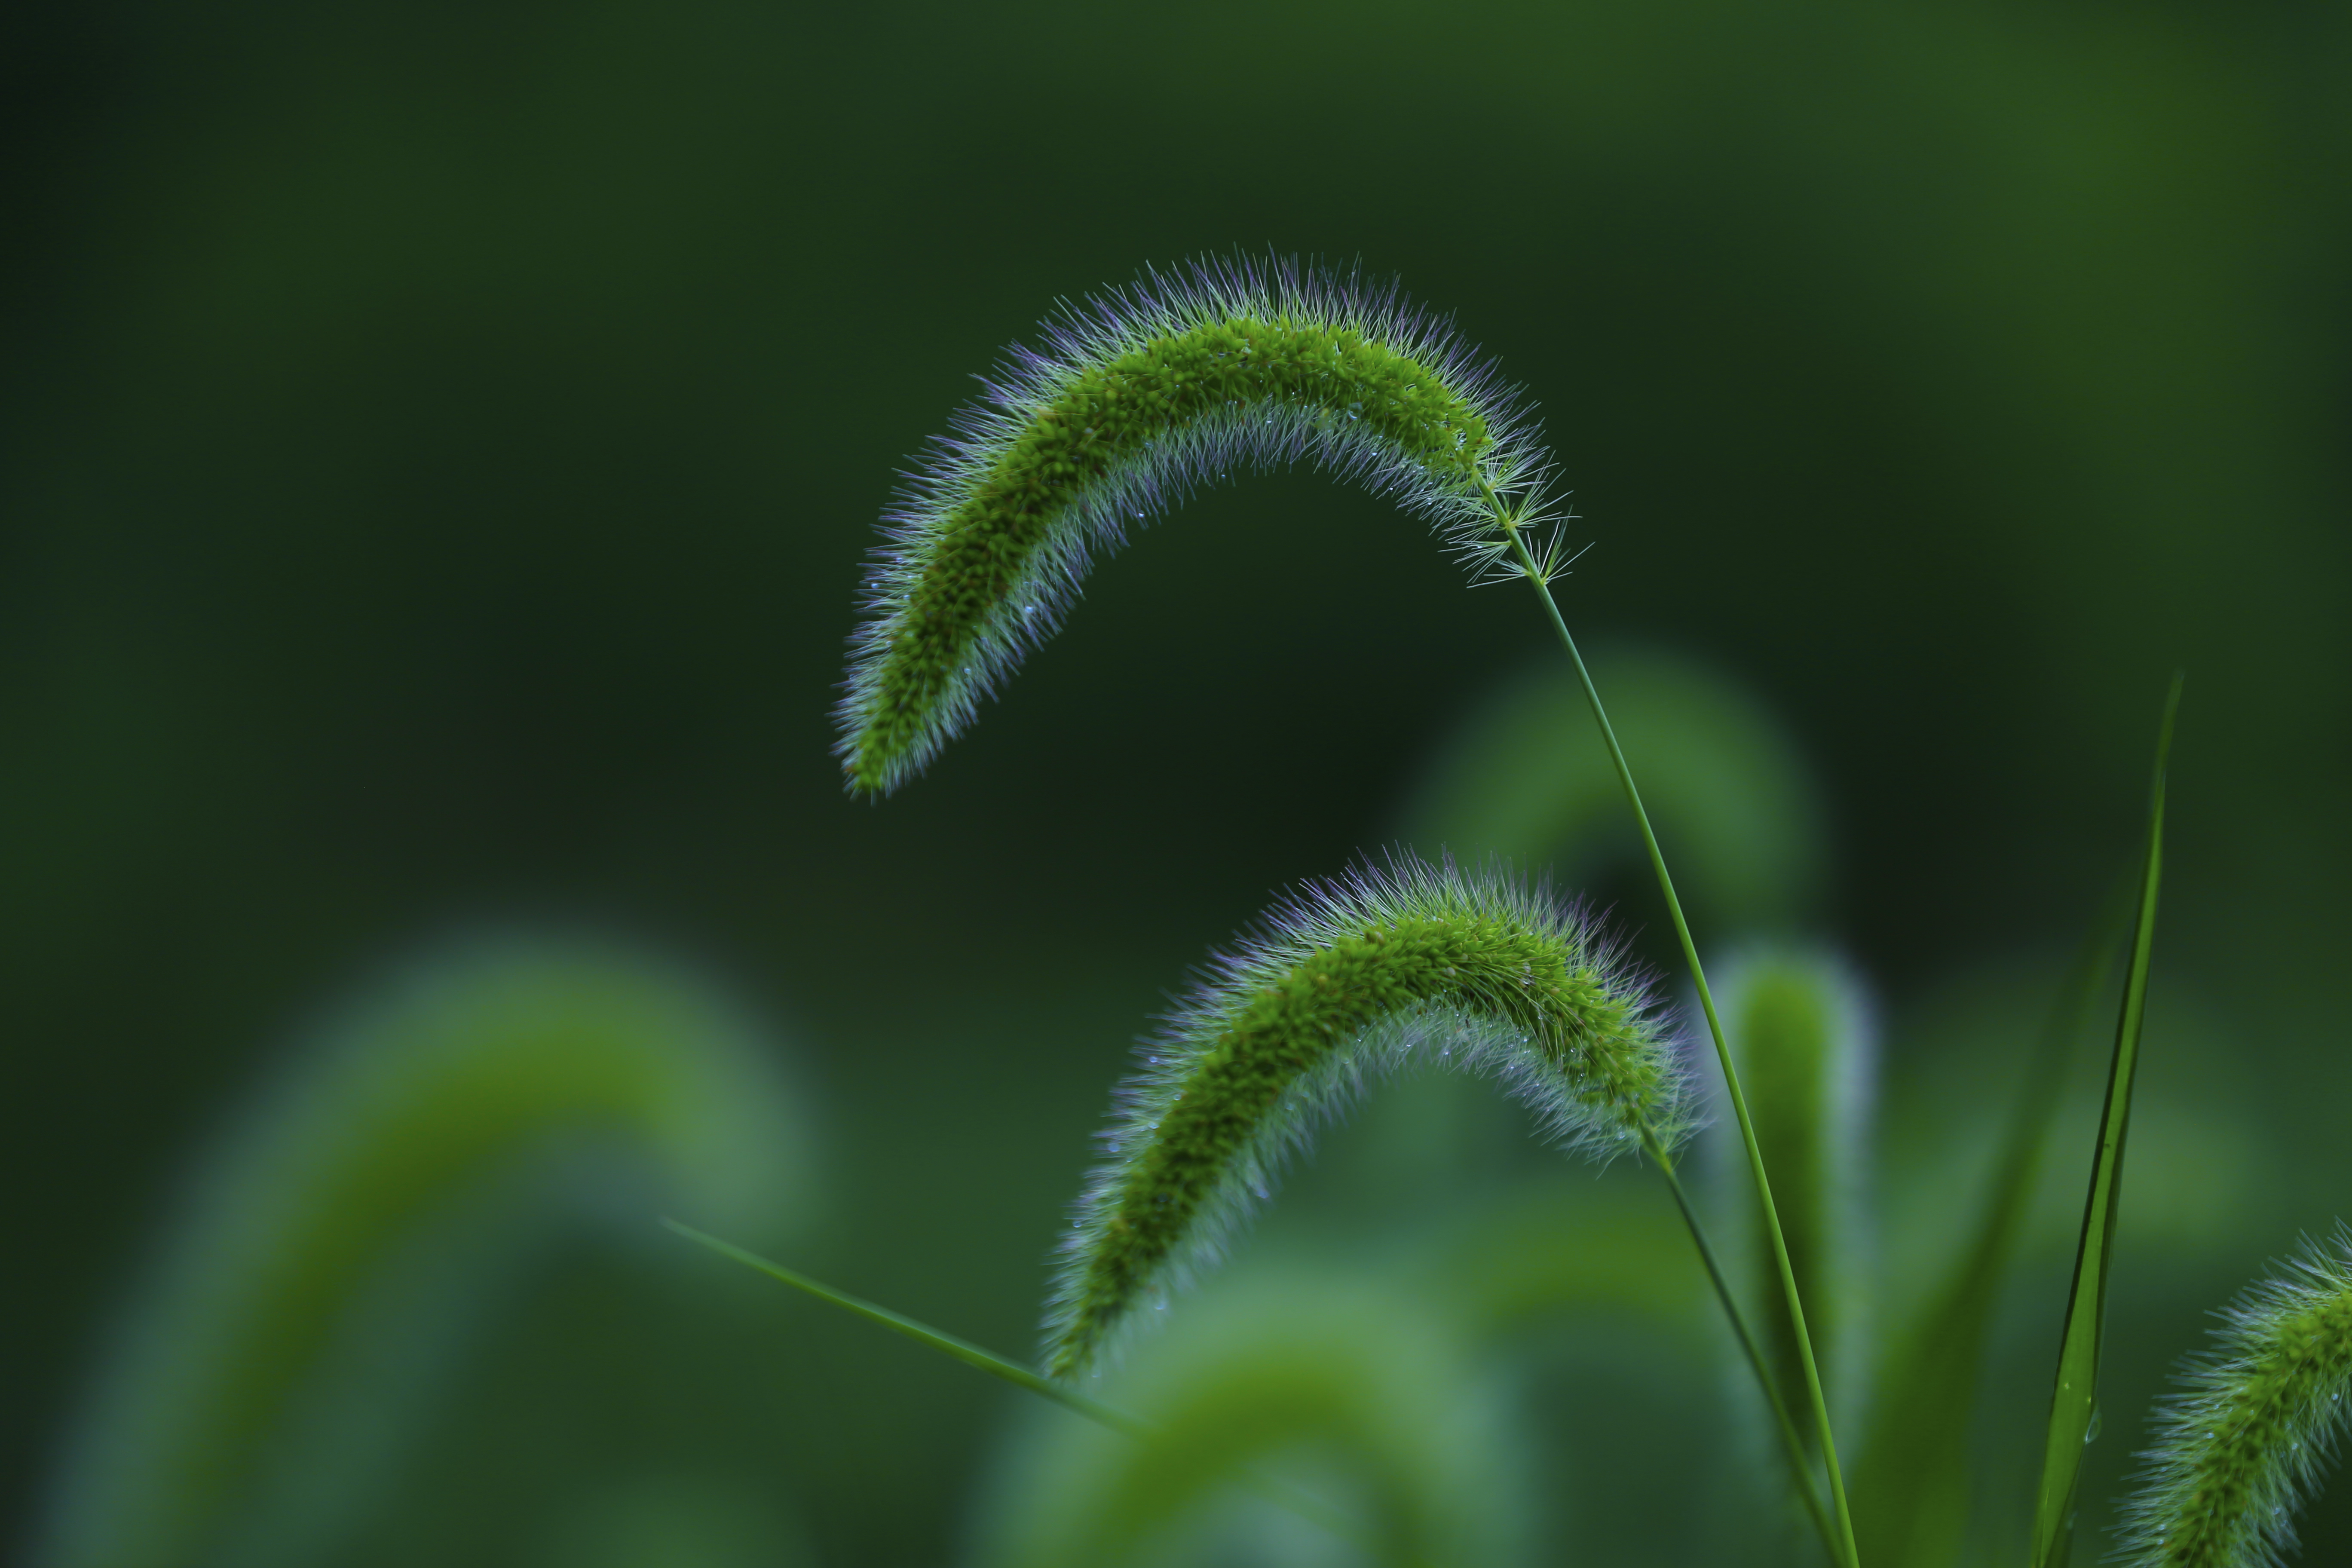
x=1344, y=1386
x=436, y=444
x=335, y=1253
x=1738, y=817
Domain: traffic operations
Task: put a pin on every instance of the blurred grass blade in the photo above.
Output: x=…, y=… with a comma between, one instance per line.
x=2074, y=1402
x=1911, y=1487
x=1275, y=1490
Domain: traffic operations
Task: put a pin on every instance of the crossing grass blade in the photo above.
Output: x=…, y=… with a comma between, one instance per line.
x=1304, y=1504
x=963, y=1351
x=2074, y=1402
x=1911, y=1487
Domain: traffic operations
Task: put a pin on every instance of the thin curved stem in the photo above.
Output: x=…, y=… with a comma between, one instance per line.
x=1800, y=1468
x=1535, y=576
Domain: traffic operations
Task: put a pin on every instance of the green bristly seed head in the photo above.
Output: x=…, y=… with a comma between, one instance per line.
x=1106, y=418
x=1413, y=962
x=2256, y=1427
x=1142, y=395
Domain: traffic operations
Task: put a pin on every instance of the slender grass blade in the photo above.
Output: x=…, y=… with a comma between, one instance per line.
x=1912, y=1488
x=2074, y=1402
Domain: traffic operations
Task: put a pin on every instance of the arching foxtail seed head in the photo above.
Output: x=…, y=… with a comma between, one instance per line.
x=2255, y=1425
x=1348, y=979
x=1139, y=395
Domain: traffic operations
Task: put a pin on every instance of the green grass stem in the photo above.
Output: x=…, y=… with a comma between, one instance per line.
x=2074, y=1400
x=1801, y=1469
x=1538, y=577
x=1281, y=1493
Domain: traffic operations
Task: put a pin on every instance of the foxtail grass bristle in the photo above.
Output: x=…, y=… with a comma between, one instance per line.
x=2255, y=1425
x=1406, y=963
x=1139, y=395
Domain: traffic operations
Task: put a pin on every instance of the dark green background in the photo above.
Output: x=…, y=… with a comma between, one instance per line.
x=440, y=442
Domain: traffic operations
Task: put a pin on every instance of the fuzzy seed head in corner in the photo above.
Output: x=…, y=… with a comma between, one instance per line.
x=2255, y=1425
x=1139, y=395
x=1408, y=962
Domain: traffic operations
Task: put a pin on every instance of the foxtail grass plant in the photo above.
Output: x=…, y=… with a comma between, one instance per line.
x=1142, y=393
x=1137, y=397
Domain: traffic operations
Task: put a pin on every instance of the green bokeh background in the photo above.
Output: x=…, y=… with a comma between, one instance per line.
x=439, y=443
